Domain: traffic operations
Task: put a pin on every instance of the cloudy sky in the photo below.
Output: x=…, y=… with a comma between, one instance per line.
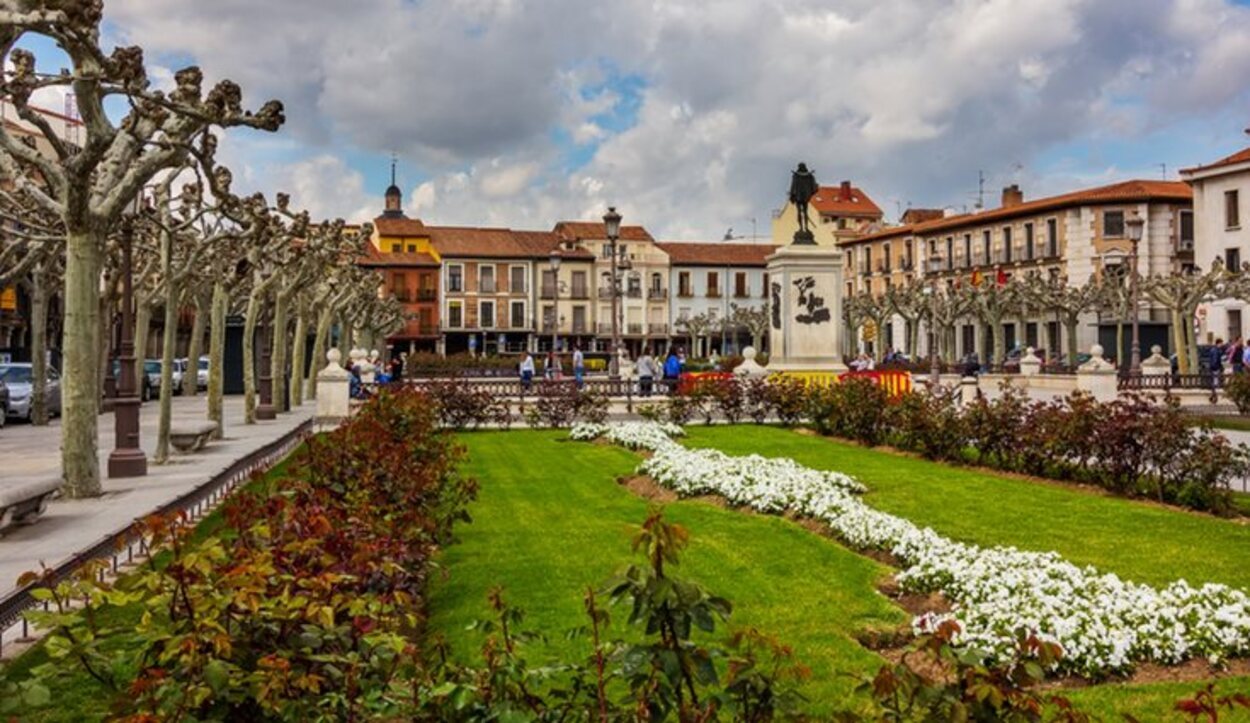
x=689, y=114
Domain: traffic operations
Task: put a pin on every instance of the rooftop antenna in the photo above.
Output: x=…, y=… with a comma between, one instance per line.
x=1163, y=170
x=980, y=190
x=729, y=235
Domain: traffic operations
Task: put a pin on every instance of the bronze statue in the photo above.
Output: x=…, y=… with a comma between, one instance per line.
x=802, y=188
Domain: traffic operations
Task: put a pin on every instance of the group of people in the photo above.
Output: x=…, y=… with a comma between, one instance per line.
x=647, y=368
x=1233, y=357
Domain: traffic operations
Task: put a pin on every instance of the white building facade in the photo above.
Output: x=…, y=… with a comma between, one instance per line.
x=711, y=279
x=1221, y=231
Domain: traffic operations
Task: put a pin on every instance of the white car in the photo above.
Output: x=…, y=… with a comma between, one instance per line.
x=201, y=374
x=152, y=369
x=18, y=379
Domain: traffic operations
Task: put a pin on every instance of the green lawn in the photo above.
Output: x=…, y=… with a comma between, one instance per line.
x=1139, y=541
x=550, y=522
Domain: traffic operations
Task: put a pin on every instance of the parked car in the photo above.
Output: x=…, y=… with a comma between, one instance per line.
x=201, y=374
x=18, y=379
x=4, y=403
x=152, y=370
x=145, y=382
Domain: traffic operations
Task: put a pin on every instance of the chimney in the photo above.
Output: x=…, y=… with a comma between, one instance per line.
x=846, y=190
x=1012, y=196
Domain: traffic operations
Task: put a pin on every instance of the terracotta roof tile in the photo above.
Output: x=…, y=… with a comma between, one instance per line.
x=388, y=226
x=596, y=230
x=1242, y=156
x=717, y=254
x=1123, y=192
x=844, y=200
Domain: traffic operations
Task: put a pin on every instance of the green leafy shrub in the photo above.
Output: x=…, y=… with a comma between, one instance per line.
x=1237, y=389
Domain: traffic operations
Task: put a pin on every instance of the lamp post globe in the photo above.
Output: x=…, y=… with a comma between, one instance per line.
x=612, y=226
x=1135, y=225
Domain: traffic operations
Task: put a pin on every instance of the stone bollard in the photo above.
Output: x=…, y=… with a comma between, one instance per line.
x=1156, y=365
x=968, y=389
x=334, y=392
x=1098, y=376
x=1030, y=365
x=749, y=367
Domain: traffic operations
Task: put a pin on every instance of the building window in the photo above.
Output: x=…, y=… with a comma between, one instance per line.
x=1028, y=242
x=607, y=252
x=579, y=320
x=1052, y=237
x=683, y=284
x=867, y=267
x=1232, y=209
x=516, y=284
x=518, y=315
x=1187, y=231
x=399, y=287
x=950, y=252
x=1234, y=324
x=455, y=315
x=1113, y=224
x=657, y=284
x=549, y=317
x=1007, y=244
x=741, y=289
x=579, y=285
x=455, y=278
x=841, y=224
x=967, y=250
x=412, y=248
x=986, y=247
x=885, y=258
x=486, y=279
x=1232, y=259
x=396, y=247
x=713, y=283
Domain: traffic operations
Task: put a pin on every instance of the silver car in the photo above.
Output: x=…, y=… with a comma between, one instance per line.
x=17, y=377
x=152, y=368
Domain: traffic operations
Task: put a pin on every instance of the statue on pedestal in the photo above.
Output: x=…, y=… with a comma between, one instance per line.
x=802, y=188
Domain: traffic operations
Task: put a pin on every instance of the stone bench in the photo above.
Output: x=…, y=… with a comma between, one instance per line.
x=24, y=502
x=191, y=438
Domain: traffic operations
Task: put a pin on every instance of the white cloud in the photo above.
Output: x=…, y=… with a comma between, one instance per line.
x=909, y=99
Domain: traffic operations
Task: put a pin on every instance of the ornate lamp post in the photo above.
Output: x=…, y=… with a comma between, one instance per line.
x=127, y=458
x=1135, y=225
x=554, y=260
x=612, y=223
x=935, y=372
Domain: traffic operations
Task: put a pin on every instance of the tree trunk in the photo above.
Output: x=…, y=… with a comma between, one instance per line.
x=143, y=323
x=1071, y=323
x=1000, y=344
x=296, y=394
x=195, y=349
x=349, y=340
x=39, y=348
x=1178, y=340
x=108, y=307
x=1119, y=343
x=80, y=388
x=169, y=338
x=216, y=358
x=279, y=342
x=325, y=318
x=249, y=358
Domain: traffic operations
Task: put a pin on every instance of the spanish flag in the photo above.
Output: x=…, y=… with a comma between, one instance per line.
x=1001, y=277
x=976, y=277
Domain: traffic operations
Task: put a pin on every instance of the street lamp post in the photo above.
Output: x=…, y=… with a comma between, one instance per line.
x=1135, y=225
x=935, y=372
x=127, y=458
x=554, y=260
x=612, y=224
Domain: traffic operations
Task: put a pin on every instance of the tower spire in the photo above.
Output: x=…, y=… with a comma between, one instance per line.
x=394, y=160
x=394, y=197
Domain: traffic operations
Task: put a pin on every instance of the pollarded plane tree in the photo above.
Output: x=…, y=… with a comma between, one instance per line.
x=90, y=185
x=696, y=327
x=992, y=304
x=1182, y=294
x=876, y=309
x=947, y=307
x=330, y=299
x=910, y=302
x=853, y=317
x=1115, y=300
x=1067, y=301
x=755, y=319
x=32, y=255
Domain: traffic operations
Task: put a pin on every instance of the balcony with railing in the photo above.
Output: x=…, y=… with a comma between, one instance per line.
x=579, y=292
x=605, y=292
x=580, y=327
x=657, y=329
x=427, y=294
x=547, y=292
x=685, y=292
x=604, y=328
x=657, y=294
x=634, y=292
x=634, y=329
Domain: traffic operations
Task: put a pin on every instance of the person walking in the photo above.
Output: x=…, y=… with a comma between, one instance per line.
x=527, y=372
x=579, y=366
x=1215, y=358
x=1235, y=355
x=672, y=370
x=551, y=369
x=646, y=372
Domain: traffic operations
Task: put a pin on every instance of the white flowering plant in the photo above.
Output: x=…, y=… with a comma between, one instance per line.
x=1103, y=624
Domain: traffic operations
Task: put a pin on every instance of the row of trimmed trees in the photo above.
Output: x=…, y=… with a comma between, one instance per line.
x=150, y=180
x=1053, y=298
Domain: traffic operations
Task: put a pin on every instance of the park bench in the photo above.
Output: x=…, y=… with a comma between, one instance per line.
x=191, y=438
x=24, y=502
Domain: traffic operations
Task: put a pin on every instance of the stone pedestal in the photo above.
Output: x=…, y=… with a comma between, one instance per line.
x=1098, y=376
x=333, y=391
x=1156, y=365
x=749, y=368
x=968, y=390
x=1030, y=364
x=805, y=301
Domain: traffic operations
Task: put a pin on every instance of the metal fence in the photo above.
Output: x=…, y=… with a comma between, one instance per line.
x=126, y=544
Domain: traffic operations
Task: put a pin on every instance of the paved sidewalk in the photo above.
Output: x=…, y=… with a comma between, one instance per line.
x=31, y=453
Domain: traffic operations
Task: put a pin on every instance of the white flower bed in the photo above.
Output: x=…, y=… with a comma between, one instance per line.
x=1103, y=623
